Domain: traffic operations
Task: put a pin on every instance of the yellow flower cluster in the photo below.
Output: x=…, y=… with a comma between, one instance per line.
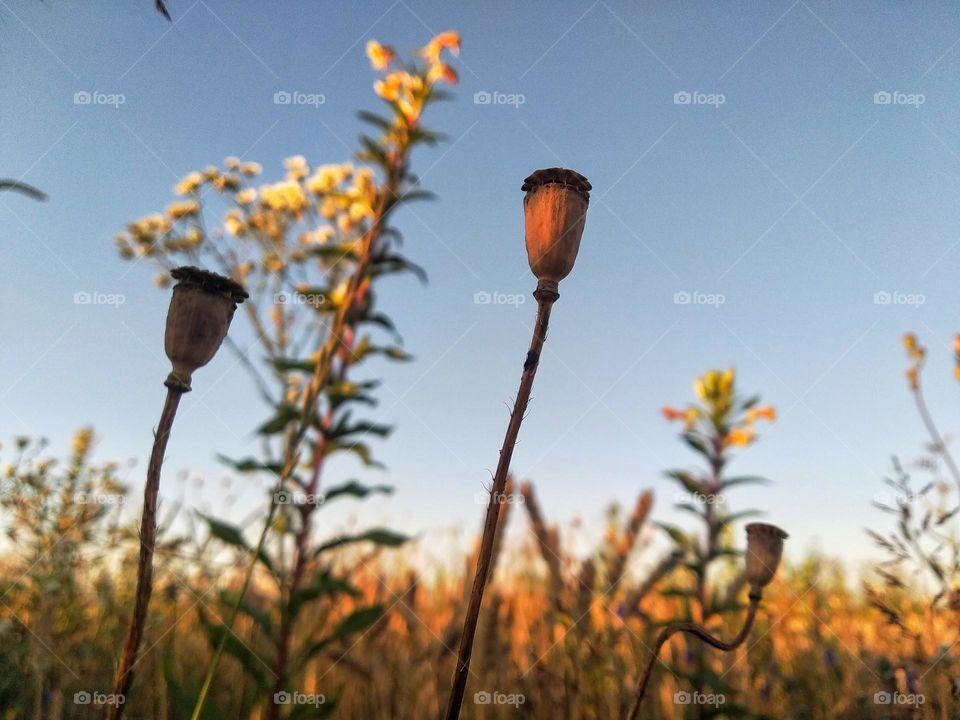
x=917, y=355
x=715, y=390
x=407, y=89
x=81, y=441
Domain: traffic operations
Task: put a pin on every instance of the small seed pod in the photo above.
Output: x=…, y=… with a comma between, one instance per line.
x=200, y=312
x=764, y=549
x=555, y=210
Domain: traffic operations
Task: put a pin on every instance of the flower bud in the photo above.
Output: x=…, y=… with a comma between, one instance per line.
x=555, y=209
x=764, y=548
x=200, y=312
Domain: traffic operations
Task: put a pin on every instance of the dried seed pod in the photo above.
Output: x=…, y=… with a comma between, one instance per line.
x=764, y=549
x=555, y=210
x=201, y=309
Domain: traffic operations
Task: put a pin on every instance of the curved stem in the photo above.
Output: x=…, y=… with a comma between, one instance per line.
x=148, y=539
x=699, y=632
x=935, y=434
x=546, y=294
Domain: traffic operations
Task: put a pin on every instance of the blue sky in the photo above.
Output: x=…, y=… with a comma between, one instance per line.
x=785, y=185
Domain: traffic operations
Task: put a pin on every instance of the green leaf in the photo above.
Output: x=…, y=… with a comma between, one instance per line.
x=249, y=465
x=372, y=151
x=697, y=443
x=415, y=195
x=744, y=480
x=361, y=450
x=357, y=622
x=324, y=584
x=355, y=489
x=278, y=423
x=229, y=597
x=377, y=536
x=365, y=347
x=374, y=119
x=231, y=535
x=737, y=516
x=691, y=485
x=396, y=264
x=343, y=428
x=675, y=533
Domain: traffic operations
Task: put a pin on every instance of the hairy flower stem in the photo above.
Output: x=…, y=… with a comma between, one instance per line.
x=545, y=294
x=148, y=539
x=699, y=632
x=335, y=340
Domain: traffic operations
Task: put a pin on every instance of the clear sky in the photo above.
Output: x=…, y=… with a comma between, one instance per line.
x=784, y=185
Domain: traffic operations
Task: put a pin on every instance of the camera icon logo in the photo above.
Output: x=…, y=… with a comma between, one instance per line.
x=82, y=698
x=82, y=98
x=282, y=698
x=482, y=298
x=682, y=697
x=282, y=97
x=883, y=698
x=281, y=298
x=482, y=98
x=82, y=298
x=682, y=98
x=882, y=298
x=882, y=98
x=282, y=497
x=682, y=298
x=482, y=698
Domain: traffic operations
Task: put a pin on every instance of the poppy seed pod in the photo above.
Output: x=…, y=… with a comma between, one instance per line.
x=200, y=312
x=555, y=210
x=764, y=548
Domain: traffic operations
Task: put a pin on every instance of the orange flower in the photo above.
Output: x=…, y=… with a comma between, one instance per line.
x=449, y=40
x=442, y=71
x=672, y=414
x=380, y=55
x=741, y=437
x=768, y=413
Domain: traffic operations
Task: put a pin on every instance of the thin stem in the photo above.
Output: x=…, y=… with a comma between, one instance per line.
x=935, y=434
x=699, y=632
x=546, y=296
x=148, y=539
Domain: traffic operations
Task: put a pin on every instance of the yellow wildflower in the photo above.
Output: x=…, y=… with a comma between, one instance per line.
x=380, y=55
x=183, y=209
x=246, y=196
x=768, y=413
x=286, y=195
x=740, y=436
x=449, y=40
x=297, y=167
x=234, y=224
x=442, y=71
x=189, y=184
x=81, y=441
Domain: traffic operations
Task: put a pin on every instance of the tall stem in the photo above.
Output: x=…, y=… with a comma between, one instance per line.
x=935, y=434
x=321, y=374
x=546, y=294
x=148, y=539
x=699, y=632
